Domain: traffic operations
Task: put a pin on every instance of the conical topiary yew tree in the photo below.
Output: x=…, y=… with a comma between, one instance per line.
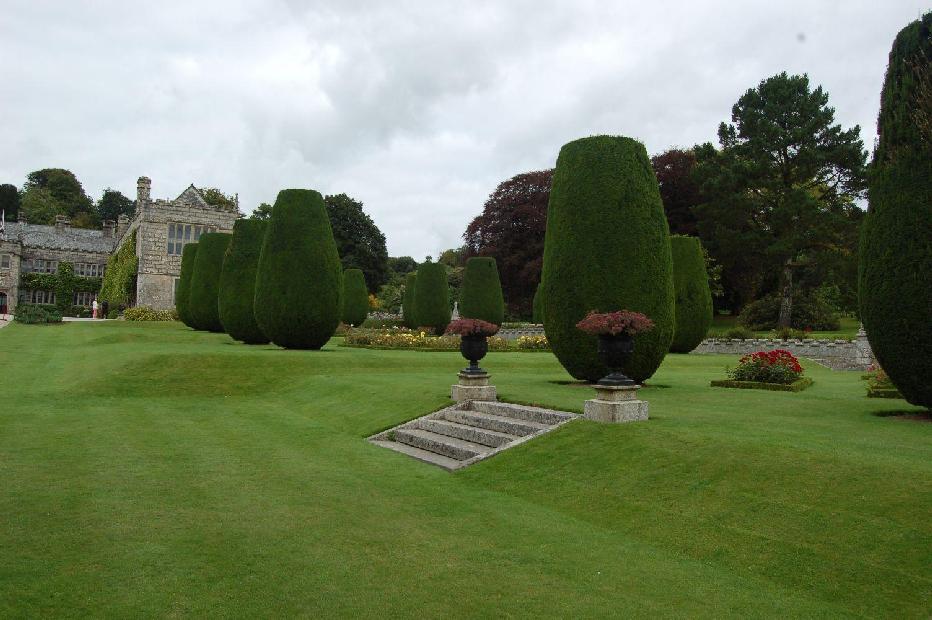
x=238, y=282
x=299, y=280
x=432, y=297
x=607, y=248
x=536, y=308
x=205, y=282
x=895, y=254
x=183, y=292
x=407, y=301
x=355, y=297
x=481, y=291
x=693, y=306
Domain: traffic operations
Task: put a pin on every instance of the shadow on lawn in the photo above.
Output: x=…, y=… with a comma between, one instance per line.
x=912, y=414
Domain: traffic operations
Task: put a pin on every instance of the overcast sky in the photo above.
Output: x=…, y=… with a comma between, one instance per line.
x=419, y=109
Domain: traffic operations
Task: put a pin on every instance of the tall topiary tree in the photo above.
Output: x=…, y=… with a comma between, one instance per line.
x=355, y=297
x=481, y=291
x=607, y=248
x=693, y=307
x=896, y=246
x=236, y=298
x=432, y=297
x=299, y=281
x=407, y=301
x=183, y=292
x=205, y=282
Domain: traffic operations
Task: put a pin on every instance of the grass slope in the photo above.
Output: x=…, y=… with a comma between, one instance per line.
x=148, y=470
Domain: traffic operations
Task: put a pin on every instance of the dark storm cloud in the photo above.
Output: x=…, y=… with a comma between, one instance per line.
x=417, y=108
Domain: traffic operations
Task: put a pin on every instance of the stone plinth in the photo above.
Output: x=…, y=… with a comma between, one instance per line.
x=473, y=387
x=616, y=404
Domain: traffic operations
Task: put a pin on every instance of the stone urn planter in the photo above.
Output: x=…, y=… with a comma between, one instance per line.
x=616, y=394
x=615, y=351
x=474, y=348
x=473, y=381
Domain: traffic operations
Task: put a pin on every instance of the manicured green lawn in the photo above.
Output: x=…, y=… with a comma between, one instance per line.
x=147, y=470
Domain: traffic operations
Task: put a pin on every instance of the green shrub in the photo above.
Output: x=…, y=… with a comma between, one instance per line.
x=355, y=297
x=119, y=283
x=183, y=292
x=144, y=313
x=481, y=291
x=537, y=307
x=299, y=281
x=693, y=307
x=32, y=314
x=607, y=248
x=407, y=304
x=205, y=282
x=236, y=298
x=739, y=333
x=114, y=313
x=895, y=254
x=432, y=297
x=810, y=311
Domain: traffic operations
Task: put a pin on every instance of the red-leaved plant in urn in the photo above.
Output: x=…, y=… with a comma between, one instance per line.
x=615, y=323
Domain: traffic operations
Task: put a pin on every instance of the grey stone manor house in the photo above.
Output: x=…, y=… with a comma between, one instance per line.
x=161, y=227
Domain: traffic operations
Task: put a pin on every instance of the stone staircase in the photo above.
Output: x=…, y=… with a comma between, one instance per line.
x=468, y=432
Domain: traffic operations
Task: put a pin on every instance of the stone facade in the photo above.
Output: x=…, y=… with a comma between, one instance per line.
x=26, y=248
x=162, y=227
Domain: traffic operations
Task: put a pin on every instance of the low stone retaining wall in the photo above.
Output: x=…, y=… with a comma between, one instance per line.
x=513, y=333
x=836, y=354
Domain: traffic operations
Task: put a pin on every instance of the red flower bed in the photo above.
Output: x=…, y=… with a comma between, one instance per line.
x=778, y=366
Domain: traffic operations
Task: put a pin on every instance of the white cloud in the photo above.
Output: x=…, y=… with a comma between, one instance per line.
x=417, y=108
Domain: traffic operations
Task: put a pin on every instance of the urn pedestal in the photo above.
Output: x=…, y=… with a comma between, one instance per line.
x=472, y=386
x=473, y=381
x=615, y=404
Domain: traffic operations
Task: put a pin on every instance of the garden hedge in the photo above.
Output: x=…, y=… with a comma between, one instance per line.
x=407, y=301
x=203, y=307
x=432, y=297
x=236, y=299
x=355, y=297
x=895, y=254
x=481, y=291
x=183, y=292
x=299, y=281
x=693, y=303
x=607, y=248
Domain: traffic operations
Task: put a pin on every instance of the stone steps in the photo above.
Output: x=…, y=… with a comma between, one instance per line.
x=468, y=432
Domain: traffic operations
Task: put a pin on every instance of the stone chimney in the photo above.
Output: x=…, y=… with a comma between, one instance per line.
x=143, y=188
x=122, y=225
x=62, y=223
x=108, y=227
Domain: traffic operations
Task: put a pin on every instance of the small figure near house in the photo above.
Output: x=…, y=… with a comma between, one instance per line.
x=94, y=308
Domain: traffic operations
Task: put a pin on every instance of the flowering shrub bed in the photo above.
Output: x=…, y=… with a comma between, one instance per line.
x=879, y=384
x=768, y=370
x=532, y=343
x=404, y=338
x=144, y=313
x=778, y=366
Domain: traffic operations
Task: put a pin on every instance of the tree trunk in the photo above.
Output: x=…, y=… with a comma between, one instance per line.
x=786, y=301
